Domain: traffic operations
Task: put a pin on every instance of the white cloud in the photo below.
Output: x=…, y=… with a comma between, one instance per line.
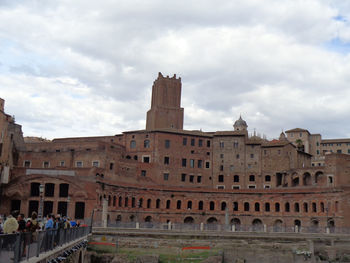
x=86, y=68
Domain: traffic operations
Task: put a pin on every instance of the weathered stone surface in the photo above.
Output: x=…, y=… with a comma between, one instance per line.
x=213, y=259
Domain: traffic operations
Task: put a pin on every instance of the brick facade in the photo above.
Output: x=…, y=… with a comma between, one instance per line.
x=165, y=173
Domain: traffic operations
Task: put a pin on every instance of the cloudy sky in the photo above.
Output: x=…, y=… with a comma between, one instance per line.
x=86, y=68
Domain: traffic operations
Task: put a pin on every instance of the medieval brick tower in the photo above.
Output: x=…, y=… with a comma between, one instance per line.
x=166, y=111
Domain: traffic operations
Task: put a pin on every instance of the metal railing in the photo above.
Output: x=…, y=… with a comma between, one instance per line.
x=227, y=228
x=21, y=246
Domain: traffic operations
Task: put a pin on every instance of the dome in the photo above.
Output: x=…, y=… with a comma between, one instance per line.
x=240, y=124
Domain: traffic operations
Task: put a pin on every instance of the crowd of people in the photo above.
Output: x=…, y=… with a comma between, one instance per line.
x=16, y=222
x=30, y=228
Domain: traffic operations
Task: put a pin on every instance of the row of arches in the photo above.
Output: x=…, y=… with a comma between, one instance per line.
x=255, y=224
x=243, y=206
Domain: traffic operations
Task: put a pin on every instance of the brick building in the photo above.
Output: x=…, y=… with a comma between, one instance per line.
x=165, y=173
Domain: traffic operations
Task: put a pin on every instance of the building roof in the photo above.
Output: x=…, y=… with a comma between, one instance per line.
x=230, y=133
x=175, y=131
x=297, y=130
x=346, y=140
x=275, y=143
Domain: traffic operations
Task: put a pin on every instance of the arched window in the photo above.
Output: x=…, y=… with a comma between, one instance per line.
x=178, y=204
x=211, y=205
x=133, y=202
x=307, y=179
x=306, y=208
x=114, y=200
x=296, y=207
x=236, y=178
x=120, y=201
x=146, y=144
x=223, y=206
x=277, y=207
x=235, y=206
x=257, y=207
x=132, y=144
x=267, y=207
x=221, y=178
x=140, y=202
x=322, y=207
x=314, y=207
x=158, y=203
x=189, y=205
x=168, y=204
x=200, y=205
x=126, y=201
x=246, y=206
x=149, y=201
x=287, y=207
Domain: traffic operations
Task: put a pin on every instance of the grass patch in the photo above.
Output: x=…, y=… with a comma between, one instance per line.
x=166, y=255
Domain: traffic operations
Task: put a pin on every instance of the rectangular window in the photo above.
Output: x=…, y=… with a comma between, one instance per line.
x=46, y=164
x=221, y=167
x=266, y=186
x=111, y=166
x=200, y=163
x=220, y=187
x=167, y=144
x=184, y=162
x=338, y=151
x=236, y=187
x=222, y=144
x=252, y=155
x=193, y=142
x=207, y=165
x=251, y=186
x=232, y=168
x=208, y=143
x=166, y=160
x=200, y=143
x=96, y=164
x=62, y=163
x=348, y=150
x=143, y=172
x=221, y=155
x=318, y=151
x=166, y=176
x=183, y=177
x=184, y=141
x=145, y=159
x=191, y=178
x=79, y=164
x=192, y=163
x=199, y=179
x=26, y=164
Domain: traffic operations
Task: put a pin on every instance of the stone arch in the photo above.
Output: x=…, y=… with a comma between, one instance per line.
x=212, y=220
x=314, y=225
x=148, y=219
x=257, y=225
x=295, y=180
x=189, y=220
x=278, y=225
x=318, y=174
x=236, y=222
x=331, y=225
x=223, y=206
x=307, y=180
x=297, y=225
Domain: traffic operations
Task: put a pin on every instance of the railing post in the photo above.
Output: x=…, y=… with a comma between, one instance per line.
x=169, y=225
x=233, y=228
x=17, y=248
x=327, y=230
x=137, y=225
x=202, y=226
x=265, y=228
